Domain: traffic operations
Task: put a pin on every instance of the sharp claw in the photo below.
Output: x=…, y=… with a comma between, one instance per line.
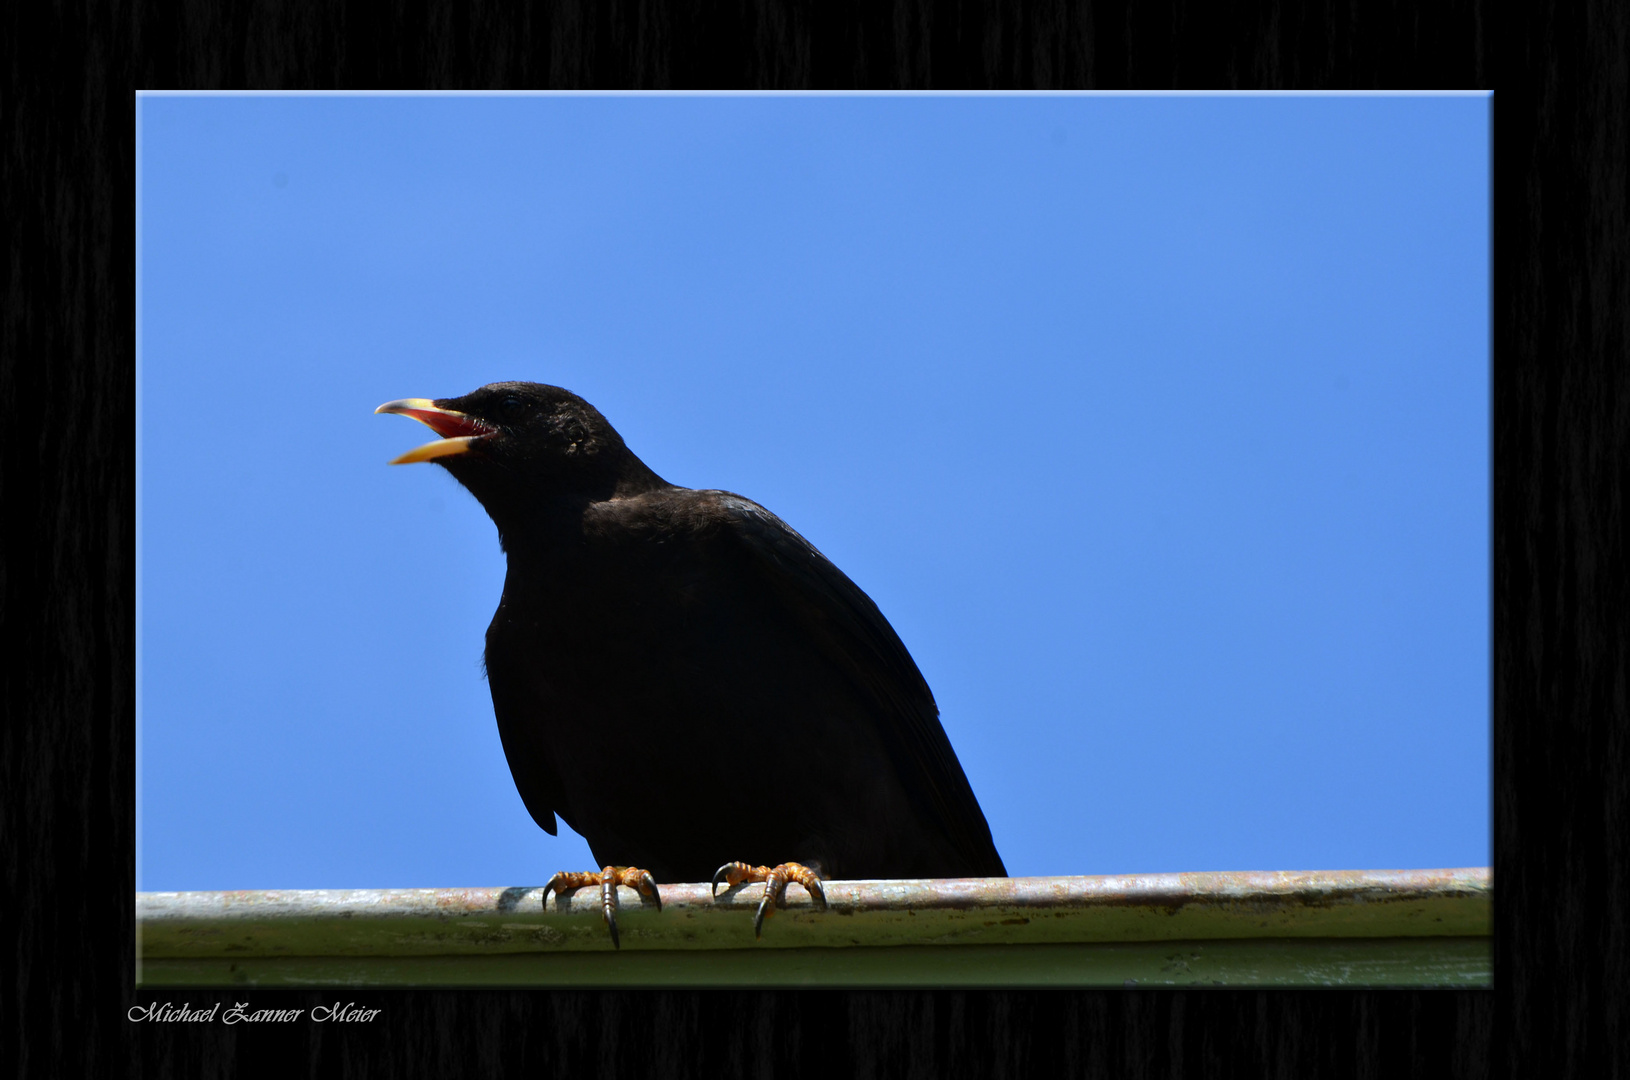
x=758, y=916
x=608, y=903
x=721, y=874
x=649, y=882
x=814, y=889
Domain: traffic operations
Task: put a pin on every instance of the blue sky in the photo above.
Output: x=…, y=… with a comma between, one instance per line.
x=1158, y=427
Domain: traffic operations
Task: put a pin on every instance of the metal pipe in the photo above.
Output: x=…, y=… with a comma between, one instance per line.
x=1442, y=911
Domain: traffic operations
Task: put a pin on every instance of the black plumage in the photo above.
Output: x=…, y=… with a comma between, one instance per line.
x=683, y=678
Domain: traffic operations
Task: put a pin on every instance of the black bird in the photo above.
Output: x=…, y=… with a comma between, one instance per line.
x=659, y=648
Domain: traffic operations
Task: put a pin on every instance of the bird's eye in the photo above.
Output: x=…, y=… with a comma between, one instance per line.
x=513, y=408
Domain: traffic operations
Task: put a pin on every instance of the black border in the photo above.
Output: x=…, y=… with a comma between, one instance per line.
x=1561, y=419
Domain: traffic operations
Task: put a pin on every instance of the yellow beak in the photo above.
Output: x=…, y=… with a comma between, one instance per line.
x=458, y=431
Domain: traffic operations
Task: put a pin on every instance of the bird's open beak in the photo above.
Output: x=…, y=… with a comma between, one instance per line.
x=457, y=430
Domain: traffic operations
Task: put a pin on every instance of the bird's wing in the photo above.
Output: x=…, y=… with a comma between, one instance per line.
x=847, y=626
x=516, y=695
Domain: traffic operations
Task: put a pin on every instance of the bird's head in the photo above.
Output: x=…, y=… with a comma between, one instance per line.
x=514, y=443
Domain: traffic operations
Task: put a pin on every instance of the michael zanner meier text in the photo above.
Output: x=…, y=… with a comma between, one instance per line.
x=240, y=1013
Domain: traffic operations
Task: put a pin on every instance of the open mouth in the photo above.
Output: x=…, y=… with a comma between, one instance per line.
x=457, y=430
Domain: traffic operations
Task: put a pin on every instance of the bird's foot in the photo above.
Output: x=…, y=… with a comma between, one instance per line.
x=608, y=878
x=775, y=881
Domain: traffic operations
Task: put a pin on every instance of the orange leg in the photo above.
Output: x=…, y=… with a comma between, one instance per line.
x=608, y=878
x=775, y=881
